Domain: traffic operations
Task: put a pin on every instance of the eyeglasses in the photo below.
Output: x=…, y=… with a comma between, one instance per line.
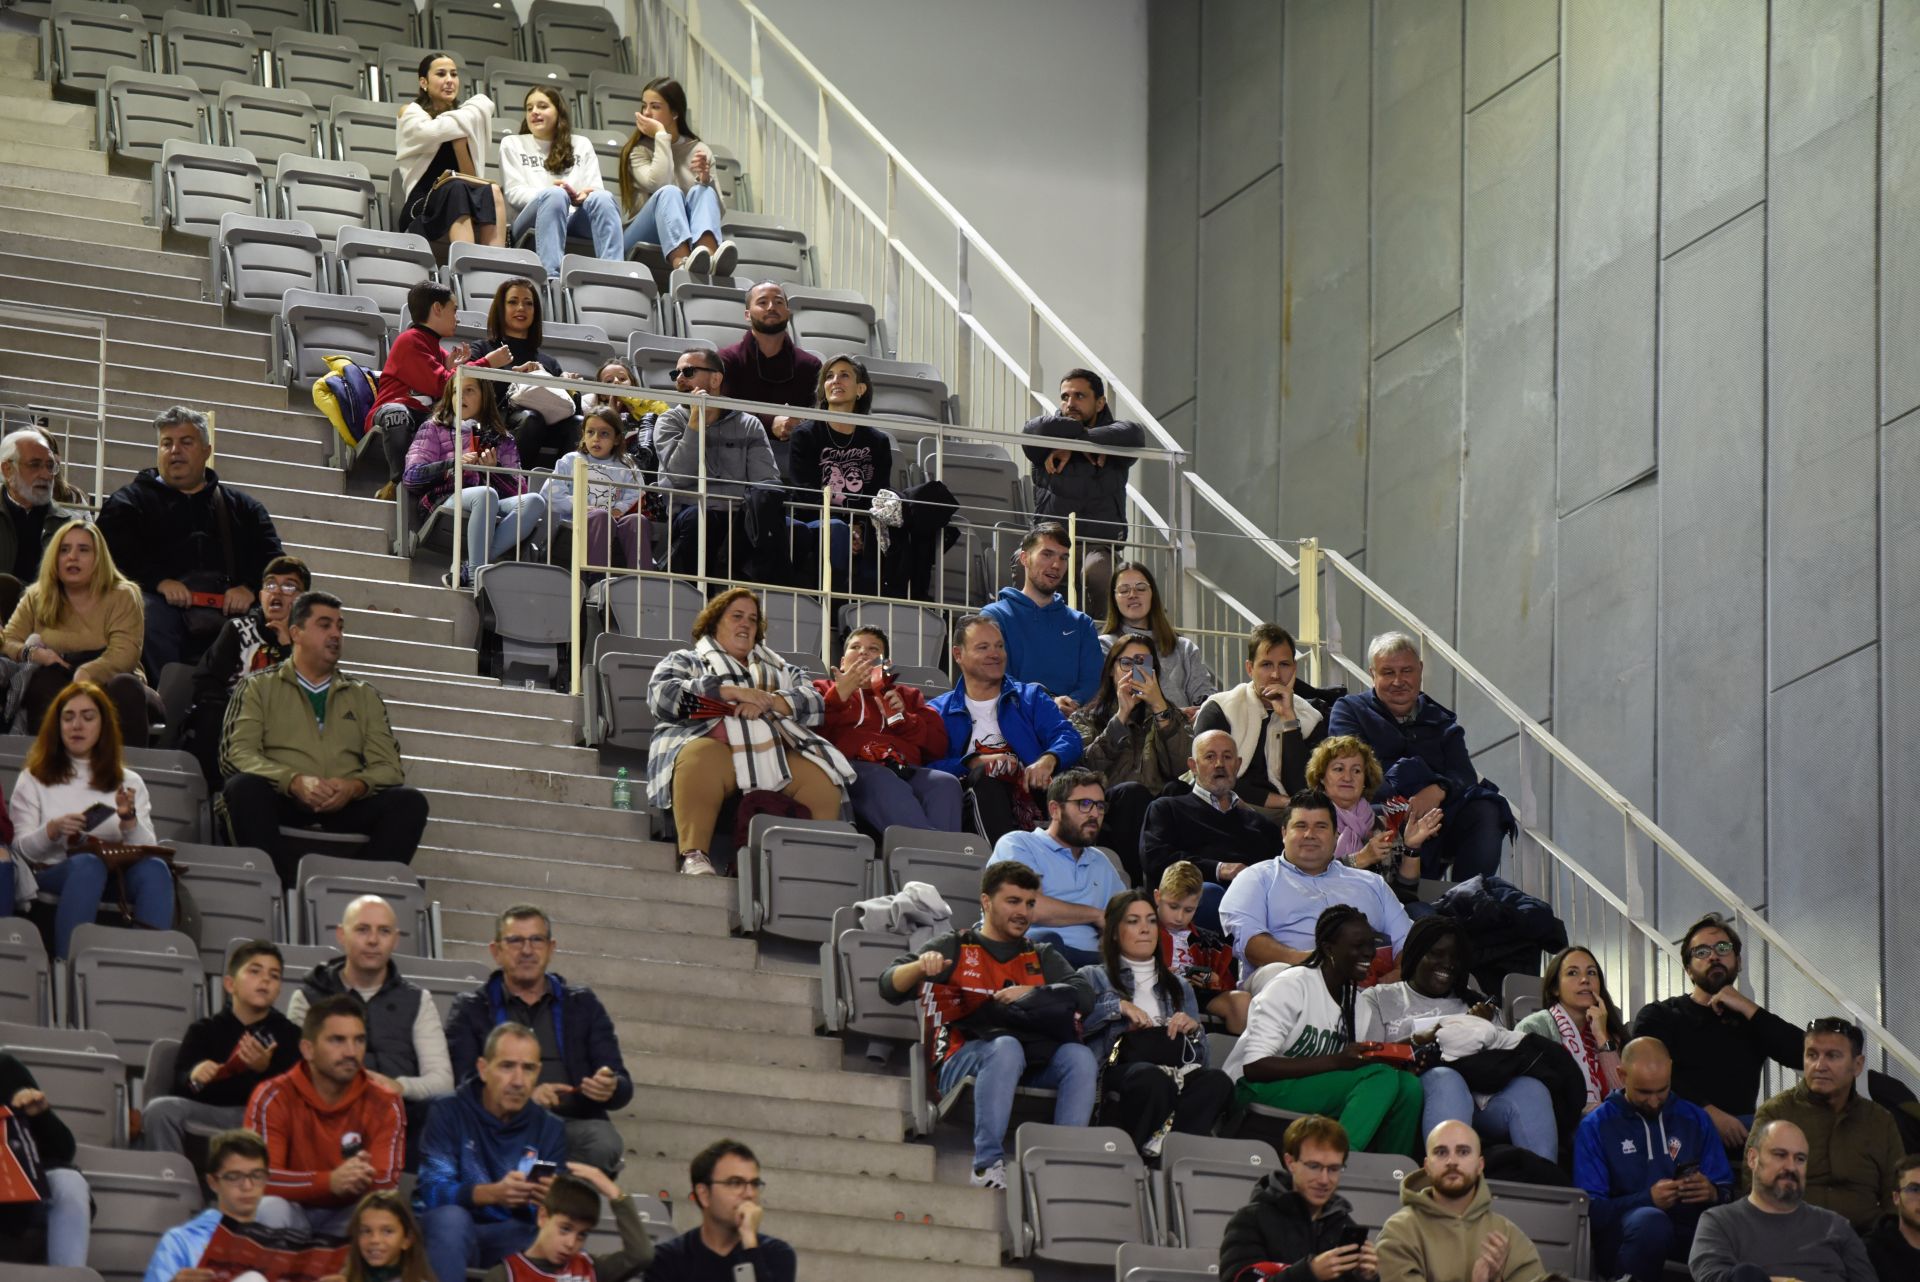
x=1088, y=805
x=514, y=943
x=234, y=1179
x=688, y=371
x=1321, y=1168
x=738, y=1185
x=1701, y=952
x=281, y=589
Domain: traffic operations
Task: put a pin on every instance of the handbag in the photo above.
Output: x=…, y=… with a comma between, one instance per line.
x=550, y=403
x=118, y=857
x=1153, y=1046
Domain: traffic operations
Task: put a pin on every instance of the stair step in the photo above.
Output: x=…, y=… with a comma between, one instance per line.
x=508, y=782
x=149, y=388
x=867, y=1090
x=574, y=910
x=16, y=176
x=804, y=1191
x=118, y=211
x=94, y=231
x=558, y=820
x=500, y=725
x=73, y=160
x=516, y=753
x=391, y=624
x=20, y=105
x=814, y=1266
x=468, y=693
x=721, y=1111
x=124, y=350
x=175, y=301
x=612, y=950
x=644, y=870
x=422, y=656
x=511, y=842
x=780, y=1151
x=686, y=1008
x=695, y=1041
x=108, y=267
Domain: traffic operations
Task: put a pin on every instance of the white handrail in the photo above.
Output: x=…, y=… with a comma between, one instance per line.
x=96, y=324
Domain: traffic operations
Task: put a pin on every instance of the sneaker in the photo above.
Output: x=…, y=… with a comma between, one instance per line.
x=994, y=1177
x=466, y=577
x=699, y=262
x=696, y=865
x=385, y=492
x=725, y=258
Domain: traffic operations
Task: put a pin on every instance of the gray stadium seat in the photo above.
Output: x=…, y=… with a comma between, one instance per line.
x=1515, y=987
x=295, y=961
x=834, y=322
x=48, y=1273
x=317, y=325
x=909, y=390
x=177, y=789
x=709, y=311
x=196, y=185
x=730, y=179
x=653, y=356
x=257, y=260
x=234, y=896
x=1137, y=1262
x=81, y=1072
x=623, y=718
x=621, y=298
x=801, y=873
x=474, y=29
x=852, y=961
x=137, y=1196
x=140, y=112
x=1075, y=1194
x=583, y=38
x=927, y=680
x=26, y=976
x=319, y=66
x=326, y=884
x=530, y=606
x=396, y=68
x=643, y=606
x=90, y=39
x=476, y=271
x=361, y=131
x=576, y=349
x=269, y=123
x=209, y=51
x=508, y=80
x=267, y=15
x=139, y=985
x=655, y=1214
x=1555, y=1219
x=1373, y=1196
x=371, y=23
x=443, y=979
x=162, y=1057
x=1205, y=1180
x=954, y=873
x=983, y=477
x=607, y=144
x=328, y=195
x=795, y=624
x=770, y=248
x=383, y=266
x=916, y=637
x=612, y=98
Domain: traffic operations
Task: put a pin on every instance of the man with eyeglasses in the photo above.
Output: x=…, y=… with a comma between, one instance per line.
x=1894, y=1244
x=1720, y=1038
x=738, y=458
x=728, y=1245
x=1076, y=880
x=237, y=1175
x=1853, y=1143
x=1296, y=1224
x=583, y=1079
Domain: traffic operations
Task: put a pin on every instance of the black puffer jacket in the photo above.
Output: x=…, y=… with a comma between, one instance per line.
x=1275, y=1227
x=155, y=532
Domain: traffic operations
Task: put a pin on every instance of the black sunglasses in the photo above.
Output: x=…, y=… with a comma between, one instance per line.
x=688, y=371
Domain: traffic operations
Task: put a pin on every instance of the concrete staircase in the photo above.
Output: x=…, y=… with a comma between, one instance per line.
x=719, y=1041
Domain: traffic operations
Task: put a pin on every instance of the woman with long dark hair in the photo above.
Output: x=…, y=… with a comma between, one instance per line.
x=666, y=185
x=516, y=323
x=852, y=460
x=552, y=181
x=1134, y=609
x=1136, y=737
x=1144, y=1031
x=1579, y=1013
x=442, y=147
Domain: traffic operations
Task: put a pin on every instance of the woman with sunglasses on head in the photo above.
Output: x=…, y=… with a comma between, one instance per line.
x=1134, y=610
x=1137, y=737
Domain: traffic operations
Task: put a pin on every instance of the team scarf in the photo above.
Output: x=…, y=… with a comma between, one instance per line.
x=1575, y=1037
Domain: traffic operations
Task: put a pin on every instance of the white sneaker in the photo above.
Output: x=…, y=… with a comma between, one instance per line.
x=725, y=258
x=994, y=1177
x=699, y=262
x=696, y=865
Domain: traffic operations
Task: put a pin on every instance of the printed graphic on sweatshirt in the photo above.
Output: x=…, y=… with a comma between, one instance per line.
x=846, y=469
x=1316, y=1041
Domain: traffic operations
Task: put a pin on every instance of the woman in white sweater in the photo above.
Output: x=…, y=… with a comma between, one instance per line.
x=73, y=787
x=443, y=150
x=666, y=185
x=552, y=181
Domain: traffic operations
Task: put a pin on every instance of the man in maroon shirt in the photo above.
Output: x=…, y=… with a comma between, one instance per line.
x=767, y=365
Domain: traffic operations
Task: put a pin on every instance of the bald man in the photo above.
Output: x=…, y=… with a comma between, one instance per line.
x=1650, y=1163
x=1211, y=826
x=1446, y=1226
x=1773, y=1233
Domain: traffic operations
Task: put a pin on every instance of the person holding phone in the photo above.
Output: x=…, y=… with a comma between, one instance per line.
x=1137, y=737
x=1296, y=1224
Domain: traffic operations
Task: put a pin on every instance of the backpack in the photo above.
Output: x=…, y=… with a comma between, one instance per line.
x=345, y=396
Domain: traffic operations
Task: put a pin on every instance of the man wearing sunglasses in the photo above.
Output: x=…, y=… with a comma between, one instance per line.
x=1719, y=1037
x=738, y=457
x=1853, y=1144
x=1076, y=880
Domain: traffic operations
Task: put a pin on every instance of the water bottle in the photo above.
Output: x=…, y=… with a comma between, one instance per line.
x=622, y=790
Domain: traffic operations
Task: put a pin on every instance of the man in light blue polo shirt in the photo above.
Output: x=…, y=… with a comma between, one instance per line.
x=1270, y=908
x=1076, y=881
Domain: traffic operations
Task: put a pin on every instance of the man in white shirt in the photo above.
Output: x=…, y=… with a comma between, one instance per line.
x=1269, y=910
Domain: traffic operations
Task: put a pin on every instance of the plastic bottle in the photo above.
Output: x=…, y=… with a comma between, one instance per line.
x=622, y=790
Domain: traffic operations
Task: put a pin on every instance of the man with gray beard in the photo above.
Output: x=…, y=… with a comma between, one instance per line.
x=1773, y=1233
x=30, y=470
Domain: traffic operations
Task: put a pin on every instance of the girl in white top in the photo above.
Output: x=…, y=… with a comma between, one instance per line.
x=432, y=138
x=73, y=787
x=552, y=181
x=666, y=185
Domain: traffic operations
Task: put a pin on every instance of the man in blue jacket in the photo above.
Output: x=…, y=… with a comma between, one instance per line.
x=582, y=1077
x=1650, y=1163
x=487, y=1158
x=1004, y=738
x=1048, y=641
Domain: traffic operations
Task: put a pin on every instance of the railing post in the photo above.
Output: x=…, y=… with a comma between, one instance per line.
x=824, y=238
x=756, y=111
x=1639, y=908
x=1033, y=362
x=1189, y=558
x=695, y=79
x=698, y=419
x=826, y=575
x=1073, y=541
x=963, y=336
x=1308, y=637
x=890, y=303
x=580, y=562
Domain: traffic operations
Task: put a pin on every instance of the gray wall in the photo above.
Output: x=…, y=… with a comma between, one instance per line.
x=1586, y=328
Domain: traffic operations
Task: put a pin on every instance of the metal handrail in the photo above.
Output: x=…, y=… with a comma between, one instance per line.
x=96, y=323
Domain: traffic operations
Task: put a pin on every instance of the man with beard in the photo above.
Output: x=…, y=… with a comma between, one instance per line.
x=1894, y=1244
x=1854, y=1142
x=987, y=1023
x=1719, y=1038
x=1296, y=1223
x=1446, y=1226
x=1651, y=1163
x=1049, y=642
x=767, y=365
x=29, y=468
x=1084, y=482
x=1076, y=881
x=1211, y=826
x=1772, y=1233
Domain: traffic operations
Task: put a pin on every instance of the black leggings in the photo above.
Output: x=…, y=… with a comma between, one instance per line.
x=1138, y=1097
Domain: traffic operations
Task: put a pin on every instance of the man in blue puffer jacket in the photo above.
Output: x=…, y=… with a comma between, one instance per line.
x=1650, y=1163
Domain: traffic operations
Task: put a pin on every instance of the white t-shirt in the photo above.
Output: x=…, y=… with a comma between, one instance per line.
x=986, y=723
x=1296, y=1017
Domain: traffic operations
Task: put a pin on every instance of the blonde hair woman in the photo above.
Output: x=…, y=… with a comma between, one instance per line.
x=82, y=620
x=1345, y=768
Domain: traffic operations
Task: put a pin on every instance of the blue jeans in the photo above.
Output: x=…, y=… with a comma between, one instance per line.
x=69, y=1216
x=998, y=1065
x=1521, y=1112
x=924, y=799
x=1468, y=843
x=81, y=881
x=456, y=1242
x=496, y=525
x=1640, y=1245
x=554, y=218
x=167, y=640
x=672, y=218
x=1207, y=915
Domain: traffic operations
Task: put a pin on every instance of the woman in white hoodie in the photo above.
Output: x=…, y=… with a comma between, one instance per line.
x=666, y=185
x=443, y=150
x=552, y=180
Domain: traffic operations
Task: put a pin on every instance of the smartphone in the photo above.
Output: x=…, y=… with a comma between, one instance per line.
x=543, y=1171
x=1355, y=1235
x=96, y=814
x=351, y=1148
x=1685, y=1170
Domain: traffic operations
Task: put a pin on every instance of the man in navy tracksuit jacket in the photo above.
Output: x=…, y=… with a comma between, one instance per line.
x=1650, y=1163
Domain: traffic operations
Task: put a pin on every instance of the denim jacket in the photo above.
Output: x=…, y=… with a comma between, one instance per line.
x=1105, y=1024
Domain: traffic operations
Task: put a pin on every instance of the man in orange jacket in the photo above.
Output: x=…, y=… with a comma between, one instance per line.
x=332, y=1133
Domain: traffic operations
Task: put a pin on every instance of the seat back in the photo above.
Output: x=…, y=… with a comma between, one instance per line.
x=1137, y=1262
x=295, y=960
x=476, y=271
x=328, y=883
x=576, y=349
x=794, y=623
x=474, y=29
x=1373, y=1196
x=730, y=179
x=80, y=1068
x=209, y=51
x=770, y=248
x=145, y=112
x=1554, y=1219
x=137, y=1196
x=141, y=985
x=647, y=607
x=529, y=602
x=653, y=355
x=383, y=266
x=318, y=66
x=916, y=637
x=607, y=145
x=1206, y=1181
x=269, y=123
x=612, y=96
x=954, y=873
x=909, y=390
x=1081, y=1194
x=232, y=901
x=89, y=40
x=804, y=872
x=372, y=23
x=26, y=976
x=444, y=979
x=361, y=131
x=981, y=475
x=263, y=258
x=328, y=195
x=507, y=80
x=623, y=679
x=655, y=1215
x=582, y=38
x=620, y=298
x=1516, y=988
x=320, y=325
x=268, y=15
x=177, y=794
x=834, y=323
x=709, y=311
x=202, y=185
x=860, y=957
x=396, y=68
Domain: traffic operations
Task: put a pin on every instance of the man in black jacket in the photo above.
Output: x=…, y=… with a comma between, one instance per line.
x=1211, y=826
x=53, y=1230
x=194, y=545
x=1085, y=482
x=1894, y=1243
x=1297, y=1225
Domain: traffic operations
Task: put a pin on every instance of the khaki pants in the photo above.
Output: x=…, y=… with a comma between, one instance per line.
x=703, y=780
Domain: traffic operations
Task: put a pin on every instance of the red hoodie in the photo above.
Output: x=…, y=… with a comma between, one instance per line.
x=305, y=1137
x=416, y=371
x=852, y=722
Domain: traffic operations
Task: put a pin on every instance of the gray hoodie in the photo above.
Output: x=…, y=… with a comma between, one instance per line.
x=738, y=454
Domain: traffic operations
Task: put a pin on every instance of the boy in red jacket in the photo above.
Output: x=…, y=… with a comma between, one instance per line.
x=889, y=734
x=414, y=376
x=332, y=1134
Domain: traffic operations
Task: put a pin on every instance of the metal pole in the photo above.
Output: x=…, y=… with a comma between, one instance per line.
x=100, y=425
x=698, y=421
x=455, y=505
x=580, y=560
x=1309, y=636
x=826, y=573
x=1073, y=541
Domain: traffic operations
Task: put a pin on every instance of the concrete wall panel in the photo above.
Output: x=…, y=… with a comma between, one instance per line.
x=1609, y=229
x=1900, y=205
x=1505, y=40
x=1900, y=698
x=1713, y=123
x=1240, y=51
x=1416, y=166
x=1173, y=204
